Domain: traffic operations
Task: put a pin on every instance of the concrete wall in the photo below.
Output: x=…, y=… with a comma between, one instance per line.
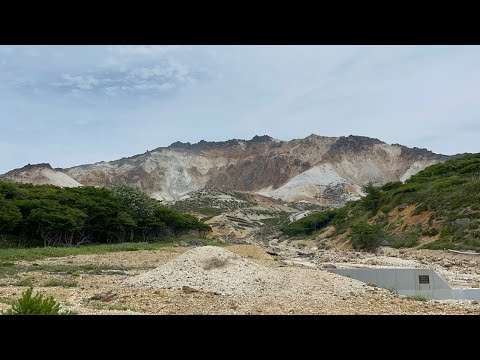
x=406, y=282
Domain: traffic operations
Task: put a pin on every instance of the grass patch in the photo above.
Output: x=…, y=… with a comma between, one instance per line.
x=403, y=241
x=60, y=283
x=38, y=253
x=75, y=270
x=72, y=270
x=443, y=244
x=7, y=271
x=417, y=298
x=24, y=282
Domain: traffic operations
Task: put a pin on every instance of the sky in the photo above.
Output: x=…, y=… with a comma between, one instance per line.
x=72, y=105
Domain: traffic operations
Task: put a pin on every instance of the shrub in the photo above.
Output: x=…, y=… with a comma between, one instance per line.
x=392, y=185
x=366, y=237
x=402, y=241
x=311, y=223
x=430, y=232
x=420, y=209
x=35, y=305
x=385, y=209
x=60, y=282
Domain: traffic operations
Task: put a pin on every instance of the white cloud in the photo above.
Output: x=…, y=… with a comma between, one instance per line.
x=418, y=96
x=146, y=73
x=83, y=82
x=158, y=87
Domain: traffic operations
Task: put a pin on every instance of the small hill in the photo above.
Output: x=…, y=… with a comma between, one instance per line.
x=40, y=174
x=437, y=208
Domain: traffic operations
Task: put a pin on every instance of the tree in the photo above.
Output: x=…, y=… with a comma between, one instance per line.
x=10, y=216
x=366, y=237
x=57, y=224
x=372, y=201
x=139, y=204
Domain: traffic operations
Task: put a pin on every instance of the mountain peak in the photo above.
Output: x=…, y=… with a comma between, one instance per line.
x=259, y=139
x=29, y=167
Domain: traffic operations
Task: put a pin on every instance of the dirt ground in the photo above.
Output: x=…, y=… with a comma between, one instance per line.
x=103, y=291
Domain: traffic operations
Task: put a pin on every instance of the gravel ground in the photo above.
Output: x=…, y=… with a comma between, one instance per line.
x=282, y=289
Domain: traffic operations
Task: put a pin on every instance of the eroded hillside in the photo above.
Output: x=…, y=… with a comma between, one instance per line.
x=316, y=169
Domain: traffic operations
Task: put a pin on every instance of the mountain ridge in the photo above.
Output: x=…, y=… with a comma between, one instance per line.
x=338, y=166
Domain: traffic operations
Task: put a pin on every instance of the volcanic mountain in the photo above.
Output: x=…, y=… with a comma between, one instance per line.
x=317, y=169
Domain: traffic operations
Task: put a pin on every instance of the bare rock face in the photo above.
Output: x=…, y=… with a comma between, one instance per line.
x=40, y=174
x=317, y=169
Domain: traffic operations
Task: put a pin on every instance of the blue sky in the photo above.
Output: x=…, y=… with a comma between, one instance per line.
x=69, y=105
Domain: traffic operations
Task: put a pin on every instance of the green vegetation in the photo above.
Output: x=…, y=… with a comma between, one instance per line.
x=314, y=222
x=60, y=283
x=38, y=253
x=448, y=193
x=64, y=269
x=35, y=305
x=24, y=282
x=47, y=215
x=403, y=241
x=366, y=237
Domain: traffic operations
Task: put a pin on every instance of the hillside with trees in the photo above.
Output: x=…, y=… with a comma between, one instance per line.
x=437, y=208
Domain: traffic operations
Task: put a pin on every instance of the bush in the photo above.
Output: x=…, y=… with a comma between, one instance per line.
x=35, y=305
x=60, y=282
x=420, y=209
x=430, y=232
x=402, y=241
x=366, y=237
x=385, y=209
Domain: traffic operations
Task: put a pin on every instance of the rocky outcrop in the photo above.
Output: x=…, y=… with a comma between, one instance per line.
x=40, y=174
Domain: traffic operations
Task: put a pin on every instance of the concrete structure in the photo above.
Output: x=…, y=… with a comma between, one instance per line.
x=410, y=282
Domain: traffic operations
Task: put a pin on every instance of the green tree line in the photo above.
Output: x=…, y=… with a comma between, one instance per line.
x=52, y=216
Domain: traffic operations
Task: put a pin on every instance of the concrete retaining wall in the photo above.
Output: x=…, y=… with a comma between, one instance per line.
x=408, y=282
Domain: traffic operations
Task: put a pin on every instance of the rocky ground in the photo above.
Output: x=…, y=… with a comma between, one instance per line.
x=235, y=279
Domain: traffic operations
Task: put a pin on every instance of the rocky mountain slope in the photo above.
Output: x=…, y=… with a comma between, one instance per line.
x=238, y=216
x=40, y=174
x=316, y=169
